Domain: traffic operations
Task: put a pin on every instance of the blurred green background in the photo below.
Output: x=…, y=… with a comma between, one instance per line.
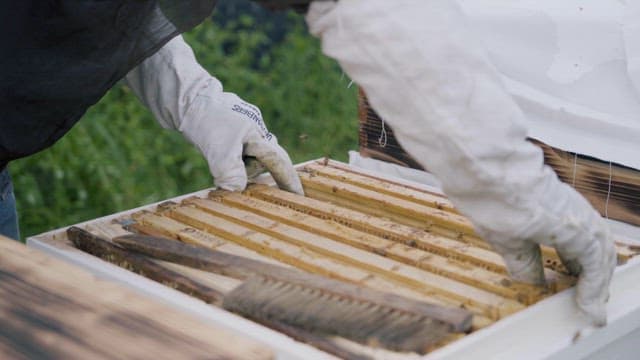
x=117, y=157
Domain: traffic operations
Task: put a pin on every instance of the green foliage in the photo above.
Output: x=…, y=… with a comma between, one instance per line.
x=118, y=158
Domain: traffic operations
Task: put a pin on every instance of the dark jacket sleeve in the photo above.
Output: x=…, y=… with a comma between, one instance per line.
x=59, y=57
x=300, y=6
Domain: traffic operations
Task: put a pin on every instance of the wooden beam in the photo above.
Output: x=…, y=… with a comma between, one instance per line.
x=111, y=229
x=424, y=198
x=163, y=226
x=374, y=224
x=381, y=204
x=388, y=229
x=302, y=258
x=466, y=273
x=259, y=274
x=243, y=224
x=309, y=260
x=422, y=217
x=104, y=249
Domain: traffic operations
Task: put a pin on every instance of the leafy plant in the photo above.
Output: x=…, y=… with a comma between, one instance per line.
x=118, y=158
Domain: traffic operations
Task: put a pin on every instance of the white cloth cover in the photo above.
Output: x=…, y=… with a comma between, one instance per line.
x=183, y=96
x=572, y=66
x=394, y=171
x=427, y=75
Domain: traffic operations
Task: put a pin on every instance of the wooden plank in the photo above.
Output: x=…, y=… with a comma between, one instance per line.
x=476, y=249
x=111, y=229
x=382, y=186
x=354, y=198
x=399, y=182
x=404, y=212
x=375, y=224
x=154, y=225
x=429, y=227
x=399, y=232
x=51, y=309
x=243, y=268
x=221, y=283
x=309, y=260
x=466, y=273
x=380, y=204
x=490, y=304
x=302, y=258
x=199, y=257
x=104, y=249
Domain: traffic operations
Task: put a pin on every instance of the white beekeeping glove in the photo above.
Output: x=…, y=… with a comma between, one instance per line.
x=183, y=96
x=427, y=77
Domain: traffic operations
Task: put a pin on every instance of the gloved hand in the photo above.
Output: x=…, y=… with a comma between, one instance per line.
x=567, y=222
x=226, y=129
x=428, y=78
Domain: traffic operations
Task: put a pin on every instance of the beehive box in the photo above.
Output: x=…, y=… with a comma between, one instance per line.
x=53, y=310
x=359, y=228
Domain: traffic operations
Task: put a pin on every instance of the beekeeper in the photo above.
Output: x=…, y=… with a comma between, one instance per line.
x=430, y=78
x=463, y=85
x=57, y=59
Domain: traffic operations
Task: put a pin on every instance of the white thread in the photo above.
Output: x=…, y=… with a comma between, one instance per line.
x=575, y=166
x=350, y=84
x=606, y=204
x=382, y=140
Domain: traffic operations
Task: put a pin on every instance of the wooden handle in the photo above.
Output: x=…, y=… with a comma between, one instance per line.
x=106, y=250
x=197, y=256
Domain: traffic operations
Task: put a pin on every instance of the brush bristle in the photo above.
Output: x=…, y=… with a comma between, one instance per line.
x=323, y=312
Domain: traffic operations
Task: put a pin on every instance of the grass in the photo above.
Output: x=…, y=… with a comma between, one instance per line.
x=117, y=157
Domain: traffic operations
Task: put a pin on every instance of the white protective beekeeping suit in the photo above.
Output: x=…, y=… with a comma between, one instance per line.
x=428, y=76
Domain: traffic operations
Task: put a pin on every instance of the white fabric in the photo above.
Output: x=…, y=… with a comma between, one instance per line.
x=183, y=96
x=573, y=67
x=426, y=74
x=393, y=170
